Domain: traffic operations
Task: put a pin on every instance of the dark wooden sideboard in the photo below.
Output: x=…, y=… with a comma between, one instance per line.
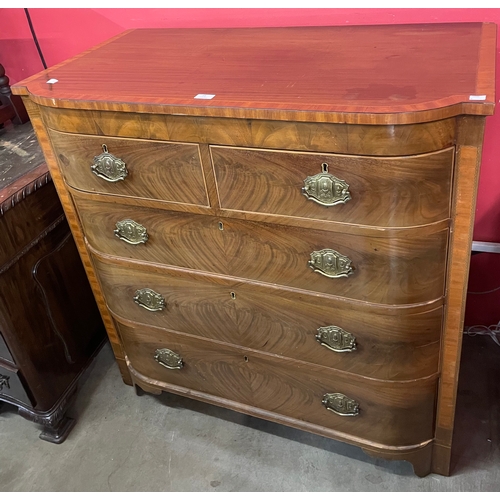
x=50, y=327
x=279, y=220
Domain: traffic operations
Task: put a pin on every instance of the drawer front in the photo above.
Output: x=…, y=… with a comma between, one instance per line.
x=371, y=341
x=390, y=413
x=393, y=269
x=396, y=268
x=173, y=238
x=157, y=170
x=4, y=350
x=389, y=192
x=11, y=386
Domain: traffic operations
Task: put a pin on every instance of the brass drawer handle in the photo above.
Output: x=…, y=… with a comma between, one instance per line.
x=330, y=263
x=109, y=167
x=169, y=359
x=326, y=189
x=341, y=404
x=336, y=339
x=4, y=382
x=130, y=231
x=149, y=299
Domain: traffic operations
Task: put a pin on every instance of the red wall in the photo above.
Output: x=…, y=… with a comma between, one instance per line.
x=63, y=33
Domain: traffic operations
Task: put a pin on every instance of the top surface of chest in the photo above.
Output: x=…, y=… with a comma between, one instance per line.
x=296, y=73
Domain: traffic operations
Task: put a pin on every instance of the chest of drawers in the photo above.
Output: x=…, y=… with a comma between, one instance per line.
x=279, y=221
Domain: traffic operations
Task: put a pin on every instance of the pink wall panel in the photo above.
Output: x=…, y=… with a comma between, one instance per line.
x=62, y=33
x=18, y=53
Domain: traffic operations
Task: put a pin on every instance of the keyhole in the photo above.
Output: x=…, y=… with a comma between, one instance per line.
x=245, y=358
x=105, y=148
x=221, y=226
x=324, y=167
x=233, y=295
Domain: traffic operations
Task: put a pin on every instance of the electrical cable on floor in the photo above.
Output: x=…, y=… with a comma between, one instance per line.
x=493, y=331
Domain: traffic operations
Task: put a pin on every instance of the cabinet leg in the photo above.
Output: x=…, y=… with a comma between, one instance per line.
x=421, y=459
x=58, y=433
x=56, y=425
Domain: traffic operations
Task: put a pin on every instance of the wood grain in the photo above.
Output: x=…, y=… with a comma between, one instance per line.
x=394, y=191
x=388, y=415
x=47, y=208
x=401, y=344
x=382, y=93
x=75, y=227
x=156, y=170
x=375, y=74
x=49, y=322
x=344, y=138
x=468, y=163
x=273, y=254
x=387, y=270
x=174, y=238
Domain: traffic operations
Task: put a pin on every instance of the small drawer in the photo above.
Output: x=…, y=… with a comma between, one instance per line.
x=386, y=413
x=4, y=350
x=376, y=191
x=12, y=386
x=158, y=170
x=376, y=342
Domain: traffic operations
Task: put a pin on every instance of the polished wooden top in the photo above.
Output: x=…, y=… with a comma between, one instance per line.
x=370, y=74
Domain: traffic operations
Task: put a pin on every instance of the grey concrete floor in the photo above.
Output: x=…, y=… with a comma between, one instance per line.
x=123, y=442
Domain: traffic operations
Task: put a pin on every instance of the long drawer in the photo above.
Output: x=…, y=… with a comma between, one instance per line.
x=380, y=267
x=378, y=342
x=386, y=413
x=391, y=191
x=158, y=170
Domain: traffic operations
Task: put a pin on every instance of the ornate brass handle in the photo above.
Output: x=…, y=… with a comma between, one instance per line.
x=169, y=359
x=341, y=404
x=4, y=382
x=149, y=299
x=330, y=263
x=109, y=167
x=130, y=231
x=326, y=189
x=336, y=339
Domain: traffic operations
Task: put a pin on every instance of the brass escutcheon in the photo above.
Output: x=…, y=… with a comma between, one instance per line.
x=330, y=263
x=326, y=189
x=169, y=359
x=336, y=339
x=149, y=299
x=109, y=167
x=130, y=231
x=341, y=404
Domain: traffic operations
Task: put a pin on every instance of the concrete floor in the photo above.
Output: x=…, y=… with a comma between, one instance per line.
x=123, y=442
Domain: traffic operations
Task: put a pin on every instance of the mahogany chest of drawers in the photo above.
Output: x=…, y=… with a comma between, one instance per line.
x=279, y=221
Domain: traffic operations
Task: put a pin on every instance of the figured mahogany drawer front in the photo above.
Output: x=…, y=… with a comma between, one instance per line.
x=389, y=192
x=12, y=387
x=393, y=268
x=4, y=350
x=173, y=238
x=371, y=341
x=390, y=413
x=158, y=170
